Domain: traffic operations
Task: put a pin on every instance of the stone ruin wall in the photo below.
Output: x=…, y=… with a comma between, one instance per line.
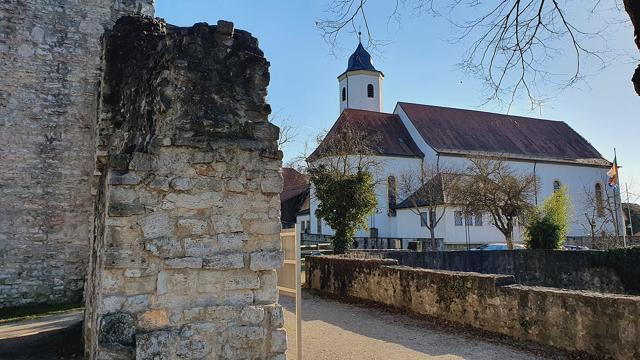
x=49, y=67
x=187, y=213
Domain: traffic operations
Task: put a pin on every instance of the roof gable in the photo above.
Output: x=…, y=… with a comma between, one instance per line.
x=467, y=131
x=389, y=136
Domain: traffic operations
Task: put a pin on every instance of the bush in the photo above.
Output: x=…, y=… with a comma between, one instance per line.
x=548, y=227
x=345, y=202
x=543, y=233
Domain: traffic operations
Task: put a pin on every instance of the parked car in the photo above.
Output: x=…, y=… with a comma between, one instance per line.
x=498, y=246
x=574, y=247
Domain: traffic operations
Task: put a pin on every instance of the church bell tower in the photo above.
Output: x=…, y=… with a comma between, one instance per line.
x=361, y=84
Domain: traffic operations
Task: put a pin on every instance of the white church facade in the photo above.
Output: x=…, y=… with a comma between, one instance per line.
x=416, y=135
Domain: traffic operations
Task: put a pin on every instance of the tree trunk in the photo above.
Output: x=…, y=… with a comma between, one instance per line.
x=434, y=242
x=633, y=9
x=341, y=242
x=508, y=235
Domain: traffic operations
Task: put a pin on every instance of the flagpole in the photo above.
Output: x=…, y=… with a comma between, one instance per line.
x=619, y=207
x=626, y=185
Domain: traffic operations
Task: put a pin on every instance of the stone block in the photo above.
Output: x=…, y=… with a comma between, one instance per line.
x=141, y=285
x=276, y=316
x=160, y=183
x=225, y=27
x=272, y=184
x=156, y=225
x=202, y=157
x=268, y=292
x=195, y=201
x=117, y=329
x=136, y=303
x=181, y=184
x=210, y=281
x=266, y=260
x=112, y=304
x=252, y=315
x=200, y=247
x=227, y=261
x=242, y=281
x=141, y=162
x=166, y=247
x=191, y=227
x=246, y=336
x=193, y=349
x=237, y=297
x=182, y=282
x=183, y=263
x=232, y=241
x=124, y=178
x=153, y=320
x=278, y=341
x=265, y=227
x=156, y=345
x=211, y=313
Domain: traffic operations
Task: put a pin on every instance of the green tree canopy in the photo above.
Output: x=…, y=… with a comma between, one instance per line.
x=345, y=202
x=548, y=226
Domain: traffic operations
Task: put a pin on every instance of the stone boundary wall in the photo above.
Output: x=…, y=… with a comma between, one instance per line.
x=599, y=324
x=612, y=271
x=187, y=217
x=49, y=67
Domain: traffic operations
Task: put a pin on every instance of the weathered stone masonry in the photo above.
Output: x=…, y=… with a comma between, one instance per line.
x=187, y=211
x=603, y=325
x=49, y=67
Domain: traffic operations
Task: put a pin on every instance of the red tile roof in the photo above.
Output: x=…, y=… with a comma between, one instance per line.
x=391, y=137
x=295, y=183
x=462, y=131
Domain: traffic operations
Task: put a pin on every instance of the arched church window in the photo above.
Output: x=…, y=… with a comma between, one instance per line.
x=344, y=94
x=370, y=90
x=556, y=186
x=599, y=201
x=392, y=194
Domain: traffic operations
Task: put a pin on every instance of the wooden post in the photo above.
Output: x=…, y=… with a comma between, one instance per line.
x=299, y=298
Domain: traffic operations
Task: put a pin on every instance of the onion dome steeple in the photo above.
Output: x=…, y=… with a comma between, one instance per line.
x=361, y=83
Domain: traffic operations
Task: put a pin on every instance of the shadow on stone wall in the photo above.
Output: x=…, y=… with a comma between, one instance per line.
x=603, y=325
x=612, y=271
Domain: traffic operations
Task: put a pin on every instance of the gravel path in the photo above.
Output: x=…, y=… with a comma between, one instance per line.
x=335, y=331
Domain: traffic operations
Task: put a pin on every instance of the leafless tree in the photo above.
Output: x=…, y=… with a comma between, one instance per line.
x=288, y=130
x=425, y=189
x=492, y=186
x=348, y=148
x=514, y=41
x=601, y=212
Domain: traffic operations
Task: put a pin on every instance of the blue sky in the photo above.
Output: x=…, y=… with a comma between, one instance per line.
x=419, y=65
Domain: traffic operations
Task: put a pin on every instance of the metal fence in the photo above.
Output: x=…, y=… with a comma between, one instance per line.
x=425, y=244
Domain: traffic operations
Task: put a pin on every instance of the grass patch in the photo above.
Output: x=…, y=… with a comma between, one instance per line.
x=33, y=311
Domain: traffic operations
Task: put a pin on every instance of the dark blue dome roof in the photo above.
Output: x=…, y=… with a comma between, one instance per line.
x=360, y=60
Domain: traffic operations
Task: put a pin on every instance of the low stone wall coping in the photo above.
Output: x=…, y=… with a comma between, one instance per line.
x=601, y=324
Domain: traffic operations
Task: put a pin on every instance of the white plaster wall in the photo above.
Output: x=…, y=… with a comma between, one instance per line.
x=577, y=179
x=386, y=166
x=356, y=84
x=409, y=227
x=300, y=219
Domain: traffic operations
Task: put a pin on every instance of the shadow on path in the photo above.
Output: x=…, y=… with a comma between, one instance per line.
x=332, y=328
x=51, y=337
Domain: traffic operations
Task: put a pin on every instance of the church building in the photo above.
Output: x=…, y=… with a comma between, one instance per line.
x=412, y=136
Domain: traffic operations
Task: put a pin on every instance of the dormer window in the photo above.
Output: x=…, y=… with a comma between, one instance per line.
x=344, y=94
x=370, y=90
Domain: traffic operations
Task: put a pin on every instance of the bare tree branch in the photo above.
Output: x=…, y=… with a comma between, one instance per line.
x=514, y=41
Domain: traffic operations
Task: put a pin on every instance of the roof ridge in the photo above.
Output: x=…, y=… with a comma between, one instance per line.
x=484, y=112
